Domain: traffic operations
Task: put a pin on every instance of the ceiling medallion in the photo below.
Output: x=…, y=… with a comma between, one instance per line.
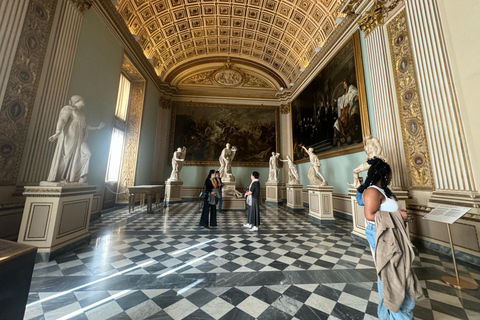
x=228, y=75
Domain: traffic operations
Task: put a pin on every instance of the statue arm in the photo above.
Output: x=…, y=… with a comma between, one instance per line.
x=62, y=120
x=101, y=126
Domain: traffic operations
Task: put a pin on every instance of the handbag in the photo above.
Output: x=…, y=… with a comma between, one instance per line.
x=203, y=194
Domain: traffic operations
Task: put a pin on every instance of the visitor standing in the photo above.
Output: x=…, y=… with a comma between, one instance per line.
x=253, y=195
x=209, y=202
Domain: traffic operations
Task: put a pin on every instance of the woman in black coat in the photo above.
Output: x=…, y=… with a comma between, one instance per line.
x=253, y=195
x=209, y=202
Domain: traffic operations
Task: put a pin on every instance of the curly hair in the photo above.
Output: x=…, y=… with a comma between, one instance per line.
x=379, y=171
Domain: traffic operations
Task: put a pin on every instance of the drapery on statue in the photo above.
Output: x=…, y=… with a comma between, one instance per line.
x=72, y=155
x=293, y=177
x=177, y=163
x=273, y=167
x=315, y=169
x=226, y=158
x=372, y=148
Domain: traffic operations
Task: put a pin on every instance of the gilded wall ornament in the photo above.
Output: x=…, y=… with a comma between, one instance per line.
x=22, y=86
x=372, y=18
x=132, y=137
x=286, y=108
x=411, y=117
x=82, y=5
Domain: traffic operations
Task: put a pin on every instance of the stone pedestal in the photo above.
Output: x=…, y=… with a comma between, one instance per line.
x=173, y=191
x=359, y=216
x=320, y=202
x=56, y=219
x=273, y=192
x=294, y=196
x=230, y=201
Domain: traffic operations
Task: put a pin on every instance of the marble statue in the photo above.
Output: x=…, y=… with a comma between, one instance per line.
x=226, y=158
x=372, y=148
x=72, y=155
x=177, y=163
x=293, y=177
x=274, y=170
x=314, y=170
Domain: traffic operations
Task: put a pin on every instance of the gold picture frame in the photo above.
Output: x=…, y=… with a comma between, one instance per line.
x=354, y=43
x=224, y=108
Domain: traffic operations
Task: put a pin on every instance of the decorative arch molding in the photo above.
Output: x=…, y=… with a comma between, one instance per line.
x=256, y=67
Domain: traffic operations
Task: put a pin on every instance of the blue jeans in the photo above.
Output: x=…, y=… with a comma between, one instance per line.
x=406, y=309
x=220, y=201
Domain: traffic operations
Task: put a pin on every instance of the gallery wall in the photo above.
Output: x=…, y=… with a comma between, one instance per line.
x=338, y=171
x=147, y=136
x=95, y=77
x=464, y=50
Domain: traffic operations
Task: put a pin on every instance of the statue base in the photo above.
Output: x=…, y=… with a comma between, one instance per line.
x=56, y=219
x=274, y=192
x=320, y=202
x=294, y=196
x=62, y=184
x=358, y=214
x=230, y=200
x=173, y=191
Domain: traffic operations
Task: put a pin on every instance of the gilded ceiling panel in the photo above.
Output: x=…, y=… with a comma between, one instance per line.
x=280, y=34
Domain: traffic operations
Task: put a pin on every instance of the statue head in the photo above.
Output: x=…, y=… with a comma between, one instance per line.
x=367, y=138
x=310, y=149
x=228, y=146
x=179, y=149
x=273, y=153
x=77, y=101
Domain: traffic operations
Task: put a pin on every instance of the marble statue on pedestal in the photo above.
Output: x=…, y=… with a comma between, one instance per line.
x=72, y=155
x=177, y=163
x=226, y=158
x=372, y=148
x=314, y=170
x=293, y=177
x=274, y=170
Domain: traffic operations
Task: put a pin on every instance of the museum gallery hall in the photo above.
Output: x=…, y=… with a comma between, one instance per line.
x=239, y=159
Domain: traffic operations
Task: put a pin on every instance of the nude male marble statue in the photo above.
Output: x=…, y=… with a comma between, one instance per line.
x=293, y=177
x=314, y=171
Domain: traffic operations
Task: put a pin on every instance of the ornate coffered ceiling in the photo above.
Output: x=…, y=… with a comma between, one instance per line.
x=280, y=35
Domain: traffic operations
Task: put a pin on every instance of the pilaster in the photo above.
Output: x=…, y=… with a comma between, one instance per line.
x=12, y=16
x=383, y=93
x=52, y=91
x=452, y=168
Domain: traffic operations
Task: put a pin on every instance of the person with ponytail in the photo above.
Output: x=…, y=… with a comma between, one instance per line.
x=390, y=245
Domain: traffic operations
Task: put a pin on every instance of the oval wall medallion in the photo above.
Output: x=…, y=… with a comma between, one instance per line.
x=228, y=77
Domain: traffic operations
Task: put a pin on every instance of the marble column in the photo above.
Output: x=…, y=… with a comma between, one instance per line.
x=286, y=138
x=12, y=15
x=387, y=120
x=452, y=168
x=52, y=91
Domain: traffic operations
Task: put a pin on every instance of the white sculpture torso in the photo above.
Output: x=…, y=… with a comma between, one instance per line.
x=72, y=155
x=177, y=163
x=225, y=159
x=293, y=177
x=314, y=174
x=273, y=167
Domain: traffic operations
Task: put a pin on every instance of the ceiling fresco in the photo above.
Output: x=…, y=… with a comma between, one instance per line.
x=279, y=35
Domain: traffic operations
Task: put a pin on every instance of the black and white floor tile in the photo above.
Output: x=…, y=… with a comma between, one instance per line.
x=163, y=266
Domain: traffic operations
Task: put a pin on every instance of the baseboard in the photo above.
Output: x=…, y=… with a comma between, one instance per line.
x=49, y=256
x=341, y=215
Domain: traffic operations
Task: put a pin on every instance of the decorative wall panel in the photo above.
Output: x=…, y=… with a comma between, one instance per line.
x=22, y=87
x=411, y=117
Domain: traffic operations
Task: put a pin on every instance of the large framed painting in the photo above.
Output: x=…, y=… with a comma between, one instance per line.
x=330, y=115
x=205, y=129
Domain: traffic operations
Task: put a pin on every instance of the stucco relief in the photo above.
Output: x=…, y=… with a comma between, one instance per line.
x=411, y=117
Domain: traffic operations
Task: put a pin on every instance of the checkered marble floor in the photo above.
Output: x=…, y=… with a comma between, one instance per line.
x=163, y=266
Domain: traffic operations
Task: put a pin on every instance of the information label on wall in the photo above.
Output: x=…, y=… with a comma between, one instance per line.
x=446, y=214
